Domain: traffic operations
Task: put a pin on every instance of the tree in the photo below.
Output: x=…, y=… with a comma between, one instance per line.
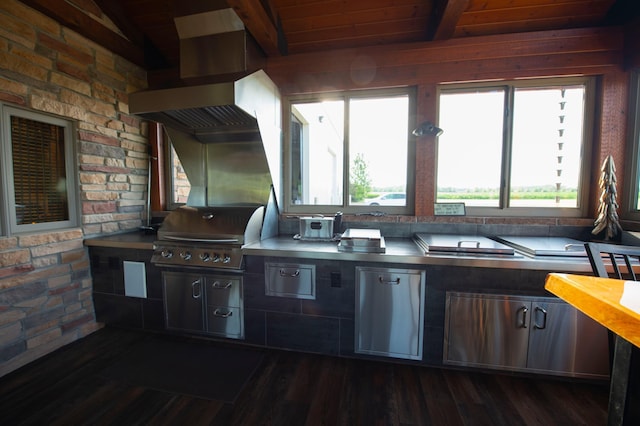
x=360, y=184
x=607, y=219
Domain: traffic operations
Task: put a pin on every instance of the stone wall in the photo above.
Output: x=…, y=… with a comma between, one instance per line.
x=45, y=282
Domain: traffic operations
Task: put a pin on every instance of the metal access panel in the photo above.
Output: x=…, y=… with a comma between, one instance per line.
x=389, y=312
x=486, y=330
x=297, y=281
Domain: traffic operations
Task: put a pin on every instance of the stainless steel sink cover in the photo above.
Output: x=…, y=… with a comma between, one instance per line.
x=545, y=246
x=461, y=244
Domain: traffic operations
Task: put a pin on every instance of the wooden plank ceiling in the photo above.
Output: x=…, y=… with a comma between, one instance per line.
x=147, y=33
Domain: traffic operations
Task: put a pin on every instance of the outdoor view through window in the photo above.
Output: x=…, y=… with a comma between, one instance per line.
x=376, y=143
x=531, y=158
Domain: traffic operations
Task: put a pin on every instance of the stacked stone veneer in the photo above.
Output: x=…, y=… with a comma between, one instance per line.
x=45, y=282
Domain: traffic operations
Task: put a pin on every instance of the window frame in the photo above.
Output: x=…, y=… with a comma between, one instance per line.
x=8, y=224
x=630, y=208
x=587, y=143
x=289, y=207
x=169, y=171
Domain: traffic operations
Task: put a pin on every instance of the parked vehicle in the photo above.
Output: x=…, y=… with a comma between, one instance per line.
x=390, y=199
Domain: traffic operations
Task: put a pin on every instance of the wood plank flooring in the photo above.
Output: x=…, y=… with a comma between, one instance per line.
x=65, y=388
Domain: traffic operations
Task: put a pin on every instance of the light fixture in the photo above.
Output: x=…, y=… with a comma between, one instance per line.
x=427, y=128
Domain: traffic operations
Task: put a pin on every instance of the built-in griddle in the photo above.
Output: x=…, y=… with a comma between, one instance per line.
x=545, y=246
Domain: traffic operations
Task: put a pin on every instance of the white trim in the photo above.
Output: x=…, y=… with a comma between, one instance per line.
x=9, y=224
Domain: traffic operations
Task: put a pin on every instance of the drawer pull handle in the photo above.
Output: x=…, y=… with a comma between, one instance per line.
x=219, y=286
x=218, y=313
x=392, y=282
x=284, y=273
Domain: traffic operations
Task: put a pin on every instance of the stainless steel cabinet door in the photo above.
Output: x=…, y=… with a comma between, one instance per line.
x=183, y=295
x=564, y=339
x=389, y=312
x=486, y=330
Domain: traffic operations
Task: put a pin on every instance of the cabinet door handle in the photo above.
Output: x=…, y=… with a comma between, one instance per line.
x=392, y=281
x=218, y=285
x=284, y=273
x=218, y=313
x=523, y=310
x=544, y=318
x=196, y=289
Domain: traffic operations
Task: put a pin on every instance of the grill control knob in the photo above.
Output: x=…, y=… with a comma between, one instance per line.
x=226, y=258
x=216, y=257
x=166, y=253
x=205, y=257
x=186, y=255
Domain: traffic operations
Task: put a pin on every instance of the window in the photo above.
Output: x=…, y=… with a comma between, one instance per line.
x=515, y=149
x=38, y=172
x=348, y=151
x=632, y=210
x=180, y=185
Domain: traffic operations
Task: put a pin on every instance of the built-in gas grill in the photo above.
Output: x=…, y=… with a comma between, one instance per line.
x=199, y=251
x=207, y=237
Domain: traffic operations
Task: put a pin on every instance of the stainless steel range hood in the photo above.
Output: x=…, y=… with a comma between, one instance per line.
x=227, y=134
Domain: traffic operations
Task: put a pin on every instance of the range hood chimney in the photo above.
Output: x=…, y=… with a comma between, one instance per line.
x=227, y=134
x=216, y=43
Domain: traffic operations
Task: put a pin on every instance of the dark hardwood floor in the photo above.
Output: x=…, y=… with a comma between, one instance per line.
x=66, y=388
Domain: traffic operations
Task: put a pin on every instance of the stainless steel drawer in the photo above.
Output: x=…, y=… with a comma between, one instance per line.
x=290, y=280
x=225, y=321
x=223, y=290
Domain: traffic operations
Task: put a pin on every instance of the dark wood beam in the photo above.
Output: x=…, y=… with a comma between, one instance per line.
x=115, y=12
x=75, y=19
x=261, y=24
x=153, y=58
x=544, y=53
x=446, y=15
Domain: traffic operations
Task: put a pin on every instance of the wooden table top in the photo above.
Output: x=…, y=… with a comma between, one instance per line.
x=600, y=299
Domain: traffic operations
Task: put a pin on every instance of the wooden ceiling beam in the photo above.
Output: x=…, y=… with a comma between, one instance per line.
x=563, y=52
x=446, y=14
x=75, y=19
x=264, y=26
x=152, y=57
x=118, y=16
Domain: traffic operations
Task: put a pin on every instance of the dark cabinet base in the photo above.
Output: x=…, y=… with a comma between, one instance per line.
x=110, y=303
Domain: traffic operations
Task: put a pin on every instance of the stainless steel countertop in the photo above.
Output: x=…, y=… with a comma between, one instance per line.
x=398, y=250
x=406, y=251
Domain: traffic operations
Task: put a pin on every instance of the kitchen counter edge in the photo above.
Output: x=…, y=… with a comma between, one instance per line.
x=406, y=251
x=398, y=250
x=131, y=240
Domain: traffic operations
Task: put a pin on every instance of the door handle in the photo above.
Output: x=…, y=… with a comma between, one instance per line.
x=196, y=289
x=522, y=312
x=544, y=318
x=391, y=282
